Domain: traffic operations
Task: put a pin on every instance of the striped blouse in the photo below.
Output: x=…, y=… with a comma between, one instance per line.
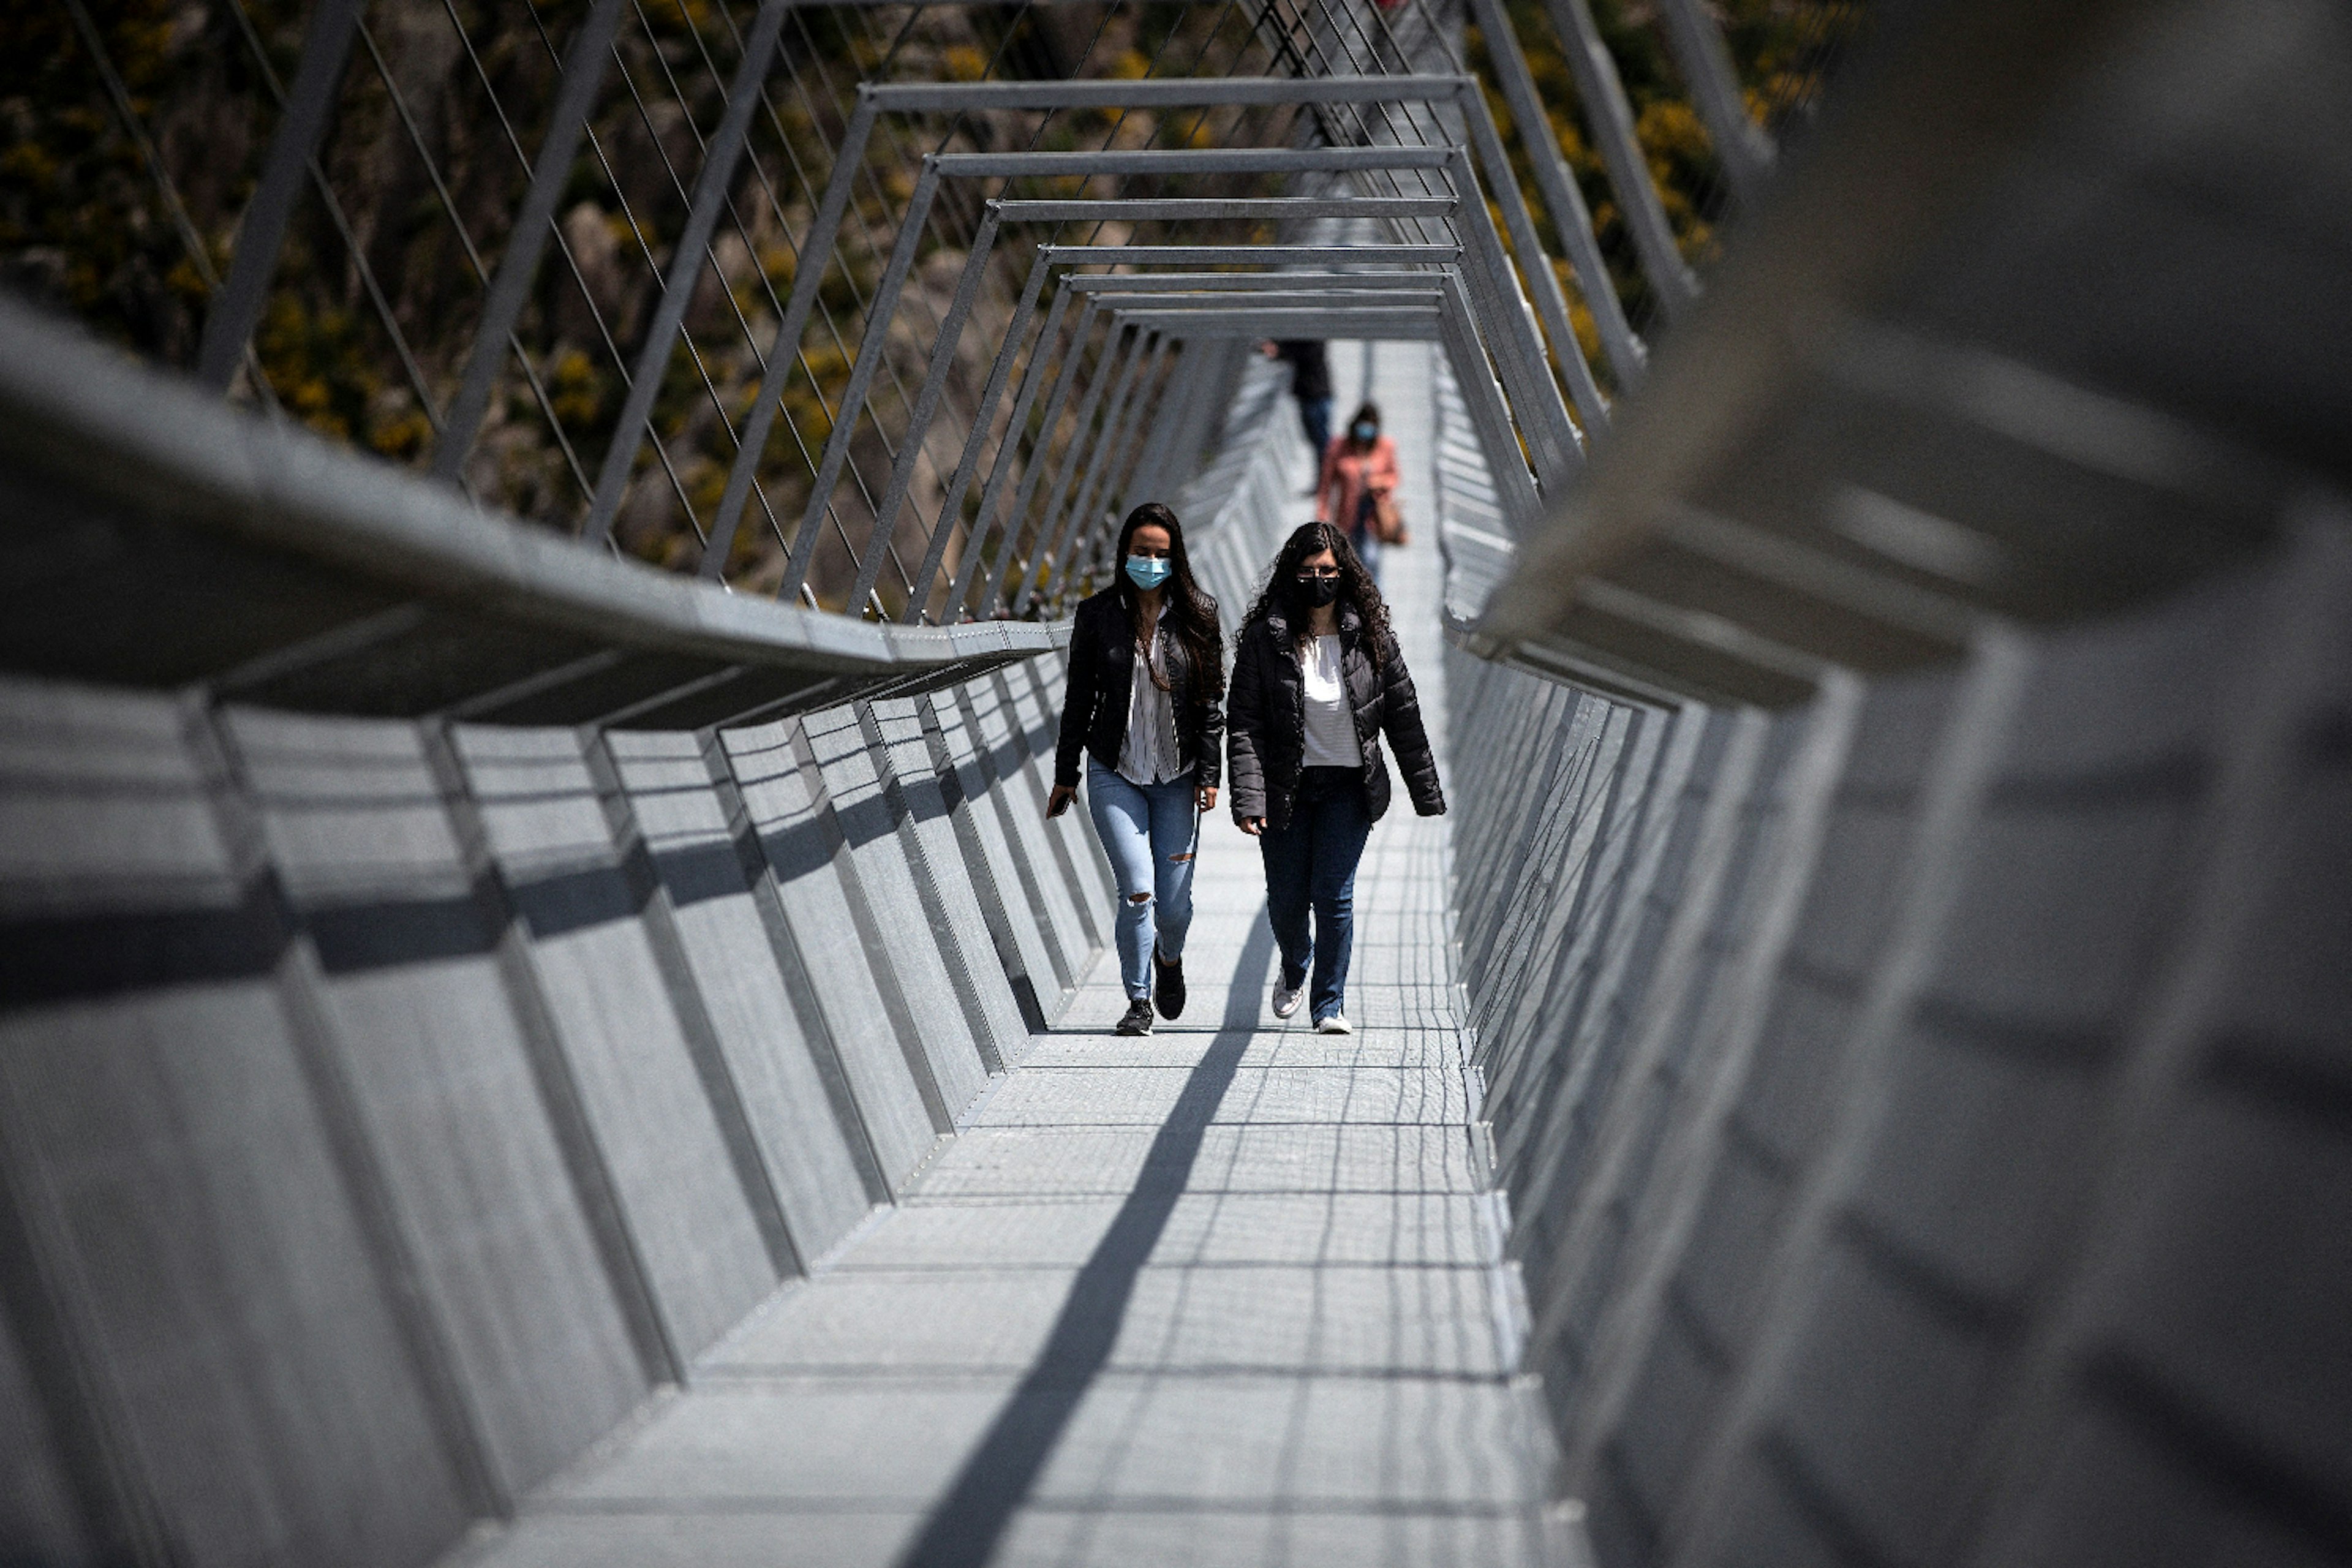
x=1149, y=755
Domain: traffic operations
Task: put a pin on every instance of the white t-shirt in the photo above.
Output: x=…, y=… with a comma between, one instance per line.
x=1330, y=722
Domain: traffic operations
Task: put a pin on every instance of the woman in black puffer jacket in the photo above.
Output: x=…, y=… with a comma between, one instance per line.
x=1318, y=680
x=1142, y=710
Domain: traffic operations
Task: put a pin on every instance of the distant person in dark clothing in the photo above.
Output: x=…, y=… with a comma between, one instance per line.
x=1310, y=383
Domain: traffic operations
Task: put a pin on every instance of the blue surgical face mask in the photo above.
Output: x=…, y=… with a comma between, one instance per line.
x=1364, y=430
x=1147, y=571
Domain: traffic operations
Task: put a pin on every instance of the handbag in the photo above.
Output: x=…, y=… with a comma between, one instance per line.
x=1388, y=520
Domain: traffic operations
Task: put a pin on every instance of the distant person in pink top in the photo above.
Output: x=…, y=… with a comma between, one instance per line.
x=1359, y=466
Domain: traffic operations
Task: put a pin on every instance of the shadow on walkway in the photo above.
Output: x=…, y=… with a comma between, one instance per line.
x=963, y=1529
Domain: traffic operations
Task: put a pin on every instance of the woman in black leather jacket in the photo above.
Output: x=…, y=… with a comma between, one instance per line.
x=1144, y=704
x=1318, y=680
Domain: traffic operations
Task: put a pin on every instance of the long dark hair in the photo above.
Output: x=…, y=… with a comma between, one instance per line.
x=1281, y=593
x=1371, y=411
x=1191, y=614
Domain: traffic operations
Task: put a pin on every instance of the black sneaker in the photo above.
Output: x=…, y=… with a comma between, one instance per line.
x=1138, y=1020
x=1168, y=991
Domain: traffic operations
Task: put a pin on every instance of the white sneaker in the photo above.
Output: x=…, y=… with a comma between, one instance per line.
x=1286, y=998
x=1337, y=1023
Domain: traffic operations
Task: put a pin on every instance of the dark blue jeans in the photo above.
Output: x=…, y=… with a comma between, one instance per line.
x=1311, y=865
x=1315, y=419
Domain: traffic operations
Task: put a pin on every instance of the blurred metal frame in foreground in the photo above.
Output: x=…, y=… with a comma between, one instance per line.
x=1928, y=393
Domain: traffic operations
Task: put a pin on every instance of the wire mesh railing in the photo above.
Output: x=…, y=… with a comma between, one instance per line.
x=648, y=272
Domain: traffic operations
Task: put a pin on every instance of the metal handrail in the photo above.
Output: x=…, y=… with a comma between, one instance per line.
x=90, y=433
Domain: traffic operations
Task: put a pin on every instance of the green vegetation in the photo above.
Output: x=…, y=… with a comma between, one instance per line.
x=1781, y=48
x=121, y=207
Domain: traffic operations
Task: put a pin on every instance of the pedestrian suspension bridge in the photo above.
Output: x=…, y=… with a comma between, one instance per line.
x=544, y=1020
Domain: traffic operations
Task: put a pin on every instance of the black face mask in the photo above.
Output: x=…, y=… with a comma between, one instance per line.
x=1320, y=591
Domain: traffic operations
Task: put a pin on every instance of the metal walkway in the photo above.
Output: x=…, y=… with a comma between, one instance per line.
x=1199, y=1298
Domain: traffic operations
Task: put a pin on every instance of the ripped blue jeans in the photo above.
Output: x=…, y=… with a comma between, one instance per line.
x=1143, y=829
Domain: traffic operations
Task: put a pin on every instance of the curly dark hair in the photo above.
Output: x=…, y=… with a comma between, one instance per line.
x=1280, y=590
x=1191, y=613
